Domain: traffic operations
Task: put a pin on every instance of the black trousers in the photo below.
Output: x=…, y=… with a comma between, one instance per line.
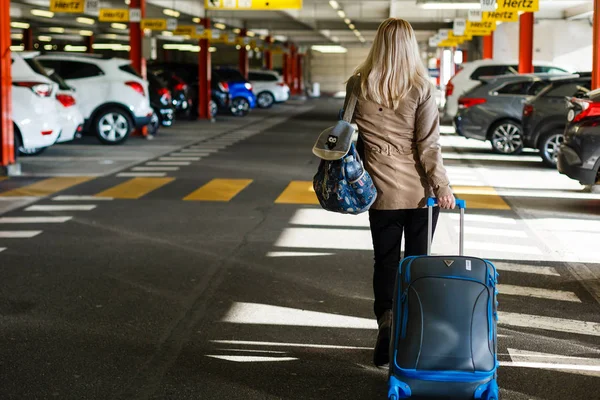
x=387, y=228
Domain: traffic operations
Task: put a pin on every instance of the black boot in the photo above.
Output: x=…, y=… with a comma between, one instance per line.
x=381, y=355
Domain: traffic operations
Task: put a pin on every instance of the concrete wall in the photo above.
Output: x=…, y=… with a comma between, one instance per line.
x=565, y=43
x=332, y=70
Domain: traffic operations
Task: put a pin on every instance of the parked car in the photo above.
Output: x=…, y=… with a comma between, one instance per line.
x=70, y=117
x=181, y=93
x=242, y=98
x=269, y=88
x=470, y=72
x=36, y=122
x=112, y=96
x=220, y=96
x=492, y=110
x=545, y=115
x=579, y=154
x=161, y=102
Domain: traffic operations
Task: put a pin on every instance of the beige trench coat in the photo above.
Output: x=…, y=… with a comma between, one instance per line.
x=401, y=149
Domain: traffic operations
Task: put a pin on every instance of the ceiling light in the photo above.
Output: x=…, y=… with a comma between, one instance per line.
x=238, y=47
x=19, y=25
x=171, y=13
x=212, y=49
x=357, y=33
x=237, y=30
x=45, y=38
x=86, y=21
x=335, y=39
x=56, y=30
x=111, y=46
x=341, y=13
x=17, y=36
x=116, y=25
x=20, y=47
x=334, y=4
x=250, y=34
x=362, y=39
x=451, y=6
x=86, y=33
x=248, y=47
x=347, y=21
x=110, y=36
x=329, y=49
x=128, y=2
x=167, y=33
x=196, y=20
x=220, y=26
x=42, y=13
x=351, y=26
x=75, y=48
x=47, y=47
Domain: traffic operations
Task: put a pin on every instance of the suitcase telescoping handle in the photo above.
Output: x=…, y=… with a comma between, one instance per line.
x=461, y=204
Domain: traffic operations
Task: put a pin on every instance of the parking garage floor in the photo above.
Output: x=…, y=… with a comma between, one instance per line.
x=199, y=265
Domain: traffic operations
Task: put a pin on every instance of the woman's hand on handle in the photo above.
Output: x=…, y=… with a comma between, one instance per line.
x=447, y=202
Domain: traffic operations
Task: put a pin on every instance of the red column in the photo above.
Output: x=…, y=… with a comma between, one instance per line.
x=204, y=76
x=244, y=63
x=488, y=47
x=135, y=37
x=526, y=43
x=299, y=73
x=268, y=55
x=7, y=152
x=28, y=38
x=596, y=48
x=89, y=43
x=287, y=67
x=438, y=65
x=465, y=54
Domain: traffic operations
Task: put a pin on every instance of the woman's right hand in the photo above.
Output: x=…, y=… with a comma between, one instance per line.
x=447, y=202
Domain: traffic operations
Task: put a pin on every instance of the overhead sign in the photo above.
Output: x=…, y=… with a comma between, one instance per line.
x=460, y=24
x=488, y=25
x=502, y=15
x=519, y=5
x=154, y=24
x=488, y=5
x=253, y=4
x=443, y=34
x=67, y=6
x=92, y=6
x=185, y=30
x=135, y=15
x=475, y=15
x=113, y=15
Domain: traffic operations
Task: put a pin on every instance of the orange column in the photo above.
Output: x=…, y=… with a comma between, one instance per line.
x=7, y=152
x=488, y=47
x=438, y=65
x=89, y=43
x=244, y=63
x=204, y=76
x=596, y=48
x=299, y=73
x=268, y=55
x=28, y=38
x=135, y=37
x=526, y=43
x=287, y=67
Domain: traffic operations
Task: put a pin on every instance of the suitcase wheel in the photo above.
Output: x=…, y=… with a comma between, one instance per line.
x=398, y=389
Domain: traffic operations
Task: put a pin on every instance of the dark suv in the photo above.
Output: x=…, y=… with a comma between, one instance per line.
x=579, y=154
x=545, y=116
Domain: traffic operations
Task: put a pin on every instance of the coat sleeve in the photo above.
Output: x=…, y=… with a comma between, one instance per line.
x=427, y=134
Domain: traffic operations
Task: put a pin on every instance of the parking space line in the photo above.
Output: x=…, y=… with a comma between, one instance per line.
x=157, y=169
x=298, y=192
x=219, y=190
x=527, y=269
x=481, y=197
x=181, y=163
x=18, y=234
x=34, y=220
x=135, y=188
x=560, y=295
x=47, y=186
x=75, y=207
x=194, y=151
x=549, y=323
x=141, y=174
x=80, y=198
x=190, y=154
x=179, y=158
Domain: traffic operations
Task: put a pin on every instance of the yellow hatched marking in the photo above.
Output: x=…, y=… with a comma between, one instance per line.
x=2, y=178
x=298, y=192
x=135, y=188
x=47, y=186
x=219, y=190
x=482, y=197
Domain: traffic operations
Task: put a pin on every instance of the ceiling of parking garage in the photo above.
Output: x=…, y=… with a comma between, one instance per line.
x=316, y=23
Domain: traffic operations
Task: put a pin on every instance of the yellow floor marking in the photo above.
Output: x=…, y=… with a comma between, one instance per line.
x=298, y=192
x=135, y=188
x=47, y=186
x=3, y=178
x=219, y=190
x=482, y=197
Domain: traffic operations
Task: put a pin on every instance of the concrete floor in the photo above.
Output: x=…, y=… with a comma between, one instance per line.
x=198, y=266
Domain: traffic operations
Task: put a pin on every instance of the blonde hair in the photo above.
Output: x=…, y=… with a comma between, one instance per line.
x=393, y=67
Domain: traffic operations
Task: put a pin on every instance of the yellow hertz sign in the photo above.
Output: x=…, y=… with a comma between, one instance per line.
x=519, y=5
x=154, y=24
x=253, y=4
x=113, y=15
x=67, y=6
x=482, y=28
x=507, y=15
x=185, y=30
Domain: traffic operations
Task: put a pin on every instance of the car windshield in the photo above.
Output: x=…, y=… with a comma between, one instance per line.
x=36, y=67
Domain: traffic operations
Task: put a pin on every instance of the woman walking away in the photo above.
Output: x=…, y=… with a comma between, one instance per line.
x=398, y=121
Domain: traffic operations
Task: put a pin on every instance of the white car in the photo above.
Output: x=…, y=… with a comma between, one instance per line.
x=34, y=115
x=113, y=98
x=269, y=88
x=470, y=72
x=70, y=117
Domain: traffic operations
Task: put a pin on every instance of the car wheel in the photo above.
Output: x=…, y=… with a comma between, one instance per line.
x=154, y=124
x=507, y=137
x=240, y=107
x=113, y=126
x=549, y=145
x=265, y=100
x=214, y=109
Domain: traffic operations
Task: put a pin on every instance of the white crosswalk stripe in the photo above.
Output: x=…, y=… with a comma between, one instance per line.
x=528, y=269
x=18, y=234
x=34, y=220
x=2, y=249
x=549, y=323
x=180, y=163
x=180, y=158
x=86, y=207
x=549, y=294
x=154, y=169
x=81, y=198
x=141, y=174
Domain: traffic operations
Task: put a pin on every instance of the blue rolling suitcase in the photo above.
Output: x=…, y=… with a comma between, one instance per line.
x=444, y=341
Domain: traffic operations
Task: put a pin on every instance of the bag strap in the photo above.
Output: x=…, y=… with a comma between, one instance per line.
x=349, y=112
